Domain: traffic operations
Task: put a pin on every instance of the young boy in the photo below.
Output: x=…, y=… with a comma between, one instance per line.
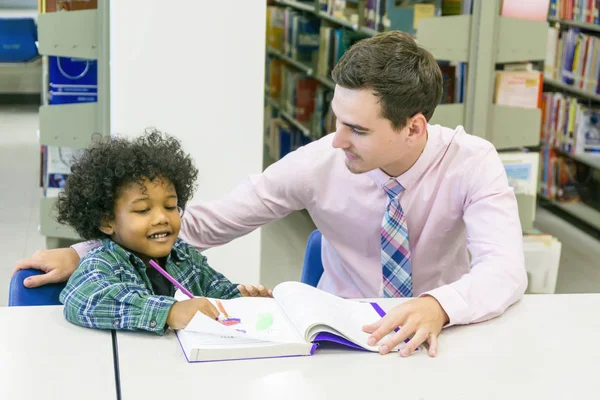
x=130, y=196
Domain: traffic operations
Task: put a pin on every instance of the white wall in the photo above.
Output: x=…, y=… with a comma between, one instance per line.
x=195, y=69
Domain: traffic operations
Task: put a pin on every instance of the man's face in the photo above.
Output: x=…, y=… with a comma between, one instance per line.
x=368, y=140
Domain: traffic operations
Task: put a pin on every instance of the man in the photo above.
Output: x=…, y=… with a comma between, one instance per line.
x=401, y=203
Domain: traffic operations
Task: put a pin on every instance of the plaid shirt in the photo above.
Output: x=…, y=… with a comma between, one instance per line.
x=110, y=289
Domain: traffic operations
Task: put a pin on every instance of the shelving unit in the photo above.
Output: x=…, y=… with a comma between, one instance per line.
x=301, y=127
x=572, y=90
x=576, y=24
x=296, y=64
x=80, y=34
x=482, y=40
x=581, y=212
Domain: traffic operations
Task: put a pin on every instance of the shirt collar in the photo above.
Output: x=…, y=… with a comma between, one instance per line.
x=414, y=173
x=176, y=253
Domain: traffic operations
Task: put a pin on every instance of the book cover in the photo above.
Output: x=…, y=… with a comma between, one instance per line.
x=518, y=89
x=404, y=15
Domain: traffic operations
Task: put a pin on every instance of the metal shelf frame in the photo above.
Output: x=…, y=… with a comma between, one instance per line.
x=572, y=90
x=299, y=125
x=79, y=34
x=589, y=160
x=69, y=34
x=580, y=211
x=576, y=24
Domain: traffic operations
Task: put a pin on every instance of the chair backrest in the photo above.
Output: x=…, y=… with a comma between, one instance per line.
x=313, y=264
x=19, y=295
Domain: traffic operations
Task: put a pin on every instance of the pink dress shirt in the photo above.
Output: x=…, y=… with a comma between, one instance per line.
x=457, y=202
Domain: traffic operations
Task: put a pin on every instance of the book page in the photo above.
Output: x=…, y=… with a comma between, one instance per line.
x=249, y=318
x=313, y=311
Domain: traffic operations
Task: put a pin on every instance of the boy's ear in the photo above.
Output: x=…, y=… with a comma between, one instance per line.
x=107, y=227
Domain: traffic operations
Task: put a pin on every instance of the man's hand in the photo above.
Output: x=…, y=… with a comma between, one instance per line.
x=182, y=312
x=255, y=291
x=422, y=317
x=58, y=265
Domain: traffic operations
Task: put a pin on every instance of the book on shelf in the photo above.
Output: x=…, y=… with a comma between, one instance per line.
x=283, y=137
x=293, y=34
x=518, y=88
x=575, y=59
x=565, y=180
x=69, y=5
x=569, y=125
x=522, y=171
x=56, y=168
x=535, y=10
x=295, y=322
x=333, y=43
x=457, y=7
x=552, y=44
x=405, y=15
x=585, y=11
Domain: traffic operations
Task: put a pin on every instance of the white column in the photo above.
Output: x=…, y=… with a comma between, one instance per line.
x=195, y=69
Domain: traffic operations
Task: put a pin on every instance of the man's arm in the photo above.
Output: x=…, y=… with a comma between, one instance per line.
x=497, y=278
x=259, y=200
x=96, y=298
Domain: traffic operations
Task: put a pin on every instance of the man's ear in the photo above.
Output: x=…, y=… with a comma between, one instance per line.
x=417, y=126
x=107, y=227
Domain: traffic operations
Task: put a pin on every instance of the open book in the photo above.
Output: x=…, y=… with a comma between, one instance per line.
x=292, y=323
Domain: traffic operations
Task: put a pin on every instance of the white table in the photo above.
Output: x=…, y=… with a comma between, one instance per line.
x=43, y=356
x=544, y=346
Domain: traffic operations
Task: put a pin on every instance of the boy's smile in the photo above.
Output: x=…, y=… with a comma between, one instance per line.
x=147, y=220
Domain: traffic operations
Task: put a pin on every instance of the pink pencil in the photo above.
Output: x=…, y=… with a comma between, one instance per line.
x=171, y=279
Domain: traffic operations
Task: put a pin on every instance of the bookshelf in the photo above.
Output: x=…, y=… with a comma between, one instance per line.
x=581, y=211
x=592, y=161
x=481, y=40
x=79, y=34
x=300, y=126
x=576, y=24
x=308, y=71
x=573, y=90
x=559, y=158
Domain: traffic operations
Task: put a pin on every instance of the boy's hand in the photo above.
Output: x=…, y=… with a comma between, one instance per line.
x=255, y=291
x=182, y=312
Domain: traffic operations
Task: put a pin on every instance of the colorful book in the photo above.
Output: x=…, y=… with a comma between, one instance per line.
x=295, y=322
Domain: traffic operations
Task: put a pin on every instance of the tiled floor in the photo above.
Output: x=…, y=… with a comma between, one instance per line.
x=282, y=242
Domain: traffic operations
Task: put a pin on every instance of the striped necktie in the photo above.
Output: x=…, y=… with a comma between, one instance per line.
x=395, y=252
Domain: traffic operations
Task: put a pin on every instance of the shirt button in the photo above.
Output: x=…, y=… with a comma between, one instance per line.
x=116, y=323
x=152, y=324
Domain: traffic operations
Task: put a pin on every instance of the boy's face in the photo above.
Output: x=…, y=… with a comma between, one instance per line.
x=147, y=220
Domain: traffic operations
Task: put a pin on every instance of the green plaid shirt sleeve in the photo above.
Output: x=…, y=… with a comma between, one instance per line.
x=96, y=297
x=209, y=283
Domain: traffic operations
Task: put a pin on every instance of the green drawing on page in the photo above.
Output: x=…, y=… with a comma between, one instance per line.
x=264, y=321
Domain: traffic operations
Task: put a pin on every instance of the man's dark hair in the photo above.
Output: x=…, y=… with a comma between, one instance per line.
x=109, y=166
x=405, y=77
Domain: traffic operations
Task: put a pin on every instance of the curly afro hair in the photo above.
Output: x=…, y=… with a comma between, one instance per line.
x=96, y=178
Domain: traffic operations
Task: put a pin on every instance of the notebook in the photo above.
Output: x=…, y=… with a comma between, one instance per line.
x=294, y=322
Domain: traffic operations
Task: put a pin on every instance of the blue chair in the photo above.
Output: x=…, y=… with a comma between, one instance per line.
x=313, y=264
x=19, y=295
